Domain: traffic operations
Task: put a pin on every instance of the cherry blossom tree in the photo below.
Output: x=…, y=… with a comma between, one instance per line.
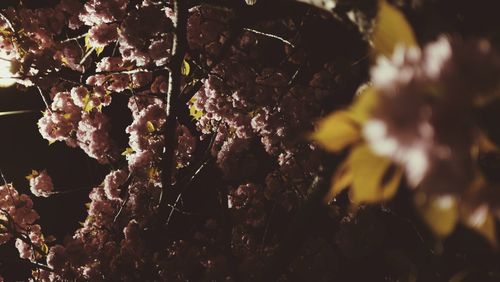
x=264, y=141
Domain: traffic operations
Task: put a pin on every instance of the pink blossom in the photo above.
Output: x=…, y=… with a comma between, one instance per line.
x=41, y=184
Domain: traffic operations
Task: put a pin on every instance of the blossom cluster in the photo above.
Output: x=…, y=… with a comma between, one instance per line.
x=425, y=117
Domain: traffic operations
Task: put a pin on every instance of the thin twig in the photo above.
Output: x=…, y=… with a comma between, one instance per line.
x=74, y=38
x=44, y=99
x=121, y=208
x=89, y=52
x=271, y=36
x=179, y=196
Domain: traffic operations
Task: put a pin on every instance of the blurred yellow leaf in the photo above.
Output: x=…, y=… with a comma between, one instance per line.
x=341, y=179
x=440, y=213
x=482, y=221
x=337, y=131
x=343, y=128
x=391, y=29
x=375, y=178
x=364, y=103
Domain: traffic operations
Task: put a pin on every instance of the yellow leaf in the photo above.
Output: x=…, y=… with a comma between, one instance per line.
x=391, y=29
x=375, y=178
x=98, y=50
x=364, y=103
x=185, y=68
x=88, y=107
x=482, y=221
x=440, y=213
x=128, y=151
x=33, y=174
x=337, y=131
x=87, y=103
x=87, y=43
x=343, y=128
x=64, y=60
x=152, y=172
x=342, y=178
x=194, y=112
x=45, y=248
x=67, y=116
x=150, y=127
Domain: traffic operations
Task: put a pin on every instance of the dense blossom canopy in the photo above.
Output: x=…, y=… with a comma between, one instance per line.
x=200, y=116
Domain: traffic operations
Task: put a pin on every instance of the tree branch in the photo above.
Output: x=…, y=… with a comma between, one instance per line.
x=179, y=46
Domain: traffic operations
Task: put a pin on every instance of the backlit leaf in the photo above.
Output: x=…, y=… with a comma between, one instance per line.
x=128, y=151
x=45, y=248
x=87, y=43
x=194, y=112
x=391, y=29
x=337, y=131
x=364, y=103
x=98, y=50
x=440, y=213
x=33, y=174
x=482, y=221
x=150, y=127
x=185, y=68
x=375, y=178
x=343, y=128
